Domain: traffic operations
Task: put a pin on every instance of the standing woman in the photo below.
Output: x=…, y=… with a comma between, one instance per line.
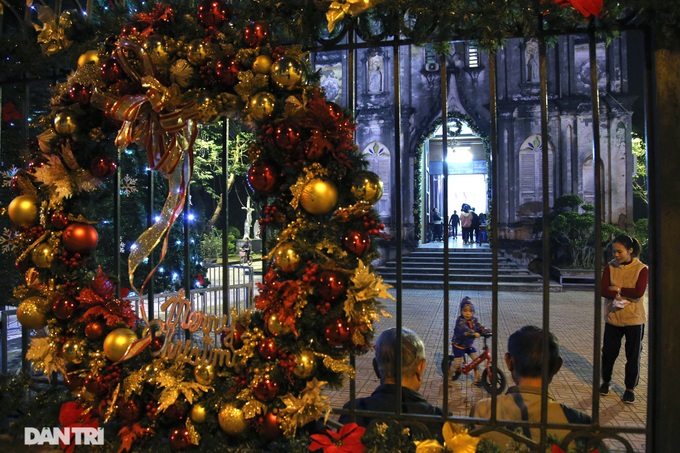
x=624, y=287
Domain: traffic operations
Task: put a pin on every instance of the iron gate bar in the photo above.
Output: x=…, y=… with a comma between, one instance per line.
x=224, y=217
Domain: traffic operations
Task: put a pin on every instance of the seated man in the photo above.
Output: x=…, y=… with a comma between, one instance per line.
x=384, y=397
x=523, y=401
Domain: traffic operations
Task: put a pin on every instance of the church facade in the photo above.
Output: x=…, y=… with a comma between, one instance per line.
x=520, y=147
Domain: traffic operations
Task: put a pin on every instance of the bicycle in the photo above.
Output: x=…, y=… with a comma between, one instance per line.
x=487, y=374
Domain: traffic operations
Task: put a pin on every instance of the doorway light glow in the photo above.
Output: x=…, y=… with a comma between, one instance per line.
x=459, y=155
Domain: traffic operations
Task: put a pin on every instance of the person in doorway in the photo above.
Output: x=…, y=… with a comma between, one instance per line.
x=522, y=402
x=466, y=331
x=475, y=226
x=384, y=397
x=454, y=221
x=624, y=287
x=437, y=225
x=466, y=223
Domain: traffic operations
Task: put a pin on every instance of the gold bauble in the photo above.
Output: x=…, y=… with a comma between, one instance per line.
x=288, y=73
x=32, y=312
x=42, y=255
x=261, y=105
x=65, y=123
x=286, y=258
x=276, y=327
x=319, y=196
x=232, y=420
x=91, y=56
x=305, y=364
x=23, y=210
x=204, y=373
x=198, y=413
x=367, y=186
x=117, y=343
x=262, y=64
x=198, y=52
x=73, y=350
x=157, y=50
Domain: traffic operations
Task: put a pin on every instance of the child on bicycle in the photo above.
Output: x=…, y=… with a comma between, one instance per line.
x=467, y=329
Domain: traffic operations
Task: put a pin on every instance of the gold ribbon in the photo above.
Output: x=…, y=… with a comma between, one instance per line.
x=338, y=10
x=167, y=128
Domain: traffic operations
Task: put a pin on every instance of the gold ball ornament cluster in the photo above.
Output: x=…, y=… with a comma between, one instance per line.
x=73, y=350
x=23, y=210
x=32, y=312
x=232, y=420
x=319, y=196
x=198, y=413
x=65, y=123
x=90, y=56
x=276, y=327
x=117, y=343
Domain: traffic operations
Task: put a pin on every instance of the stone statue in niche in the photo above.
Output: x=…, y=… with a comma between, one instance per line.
x=375, y=73
x=531, y=58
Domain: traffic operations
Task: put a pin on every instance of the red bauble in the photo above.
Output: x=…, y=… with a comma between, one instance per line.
x=80, y=93
x=256, y=33
x=94, y=330
x=103, y=167
x=133, y=29
x=129, y=411
x=236, y=338
x=96, y=385
x=111, y=70
x=80, y=238
x=174, y=414
x=269, y=427
x=356, y=242
x=317, y=146
x=157, y=343
x=59, y=220
x=226, y=71
x=263, y=177
x=266, y=390
x=73, y=382
x=64, y=307
x=338, y=333
x=287, y=137
x=179, y=439
x=268, y=349
x=213, y=13
x=330, y=285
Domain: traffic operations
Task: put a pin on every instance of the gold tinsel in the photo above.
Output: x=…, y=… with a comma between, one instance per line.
x=337, y=366
x=194, y=437
x=43, y=352
x=365, y=286
x=249, y=83
x=458, y=440
x=299, y=411
x=253, y=406
x=173, y=384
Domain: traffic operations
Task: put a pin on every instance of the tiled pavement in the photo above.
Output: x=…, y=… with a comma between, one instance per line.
x=572, y=321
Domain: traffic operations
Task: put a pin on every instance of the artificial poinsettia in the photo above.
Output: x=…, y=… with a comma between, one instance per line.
x=585, y=7
x=72, y=415
x=347, y=440
x=100, y=301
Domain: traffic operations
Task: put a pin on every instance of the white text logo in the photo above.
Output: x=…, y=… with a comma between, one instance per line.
x=52, y=436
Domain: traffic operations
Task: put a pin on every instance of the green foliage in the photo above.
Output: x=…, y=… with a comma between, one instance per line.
x=210, y=245
x=572, y=234
x=640, y=177
x=641, y=233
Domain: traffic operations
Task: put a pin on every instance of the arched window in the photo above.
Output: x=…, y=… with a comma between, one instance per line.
x=530, y=164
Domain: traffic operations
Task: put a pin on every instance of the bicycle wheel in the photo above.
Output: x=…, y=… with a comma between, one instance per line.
x=487, y=380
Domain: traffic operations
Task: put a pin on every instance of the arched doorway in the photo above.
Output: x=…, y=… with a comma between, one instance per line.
x=464, y=164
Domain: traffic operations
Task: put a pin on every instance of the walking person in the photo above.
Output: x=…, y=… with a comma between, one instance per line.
x=437, y=225
x=475, y=226
x=454, y=221
x=624, y=287
x=466, y=223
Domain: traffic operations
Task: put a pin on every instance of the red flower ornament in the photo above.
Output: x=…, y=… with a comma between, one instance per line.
x=347, y=440
x=585, y=7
